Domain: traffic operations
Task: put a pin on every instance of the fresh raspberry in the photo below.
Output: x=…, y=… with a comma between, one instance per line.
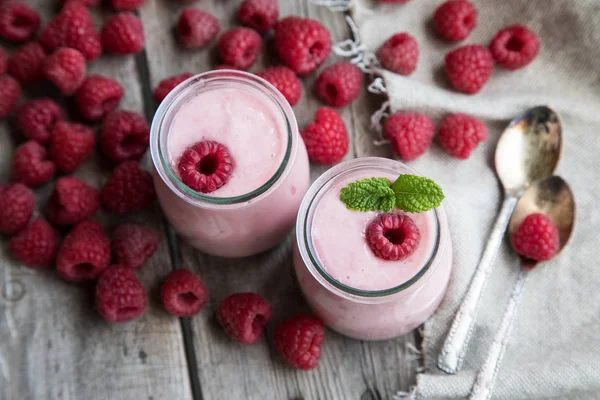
x=196, y=28
x=125, y=136
x=166, y=85
x=302, y=44
x=30, y=164
x=469, y=68
x=70, y=145
x=16, y=207
x=455, y=19
x=84, y=253
x=120, y=295
x=326, y=138
x=205, y=166
x=128, y=189
x=410, y=134
x=36, y=245
x=536, y=238
x=26, y=63
x=72, y=201
x=460, y=134
x=399, y=54
x=284, y=80
x=240, y=47
x=183, y=293
x=36, y=118
x=18, y=21
x=339, y=84
x=260, y=15
x=515, y=47
x=97, y=96
x=66, y=69
x=298, y=340
x=72, y=27
x=133, y=244
x=243, y=316
x=3, y=61
x=126, y=5
x=393, y=236
x=123, y=34
x=10, y=93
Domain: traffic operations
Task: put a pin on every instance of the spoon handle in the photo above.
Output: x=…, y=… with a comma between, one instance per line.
x=455, y=345
x=484, y=382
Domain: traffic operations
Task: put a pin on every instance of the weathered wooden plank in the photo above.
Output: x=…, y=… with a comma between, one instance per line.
x=53, y=344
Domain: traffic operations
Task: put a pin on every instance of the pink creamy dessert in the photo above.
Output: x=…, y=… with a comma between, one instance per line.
x=258, y=202
x=354, y=291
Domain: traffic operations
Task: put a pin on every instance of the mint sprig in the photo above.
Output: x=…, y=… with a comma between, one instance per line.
x=410, y=193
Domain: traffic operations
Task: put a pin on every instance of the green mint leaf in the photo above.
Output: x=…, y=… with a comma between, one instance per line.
x=371, y=194
x=416, y=194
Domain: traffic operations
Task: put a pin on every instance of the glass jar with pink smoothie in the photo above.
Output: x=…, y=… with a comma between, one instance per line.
x=352, y=289
x=230, y=166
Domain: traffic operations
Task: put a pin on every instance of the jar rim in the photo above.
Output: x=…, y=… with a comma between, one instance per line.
x=167, y=110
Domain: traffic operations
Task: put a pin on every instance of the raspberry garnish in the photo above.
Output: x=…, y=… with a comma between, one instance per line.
x=284, y=80
x=26, y=63
x=455, y=19
x=196, y=28
x=298, y=340
x=536, y=238
x=240, y=47
x=410, y=134
x=125, y=136
x=72, y=201
x=123, y=34
x=66, y=69
x=183, y=293
x=339, y=84
x=126, y=5
x=399, y=54
x=36, y=118
x=393, y=236
x=259, y=15
x=18, y=21
x=166, y=85
x=10, y=93
x=205, y=166
x=243, y=316
x=36, y=245
x=326, y=138
x=128, y=189
x=16, y=207
x=515, y=47
x=460, y=134
x=70, y=145
x=469, y=68
x=30, y=164
x=97, y=96
x=133, y=244
x=120, y=295
x=302, y=44
x=84, y=253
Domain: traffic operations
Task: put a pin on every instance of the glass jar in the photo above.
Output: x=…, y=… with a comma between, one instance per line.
x=357, y=312
x=230, y=226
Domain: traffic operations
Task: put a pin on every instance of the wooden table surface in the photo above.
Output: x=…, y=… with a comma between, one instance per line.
x=53, y=345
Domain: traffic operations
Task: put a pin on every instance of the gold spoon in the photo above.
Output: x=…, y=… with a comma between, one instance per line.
x=553, y=198
x=528, y=150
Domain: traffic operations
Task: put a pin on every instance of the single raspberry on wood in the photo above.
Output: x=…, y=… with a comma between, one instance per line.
x=339, y=84
x=302, y=44
x=16, y=207
x=244, y=316
x=126, y=5
x=183, y=293
x=469, y=68
x=166, y=85
x=36, y=118
x=66, y=69
x=123, y=34
x=120, y=296
x=393, y=236
x=284, y=80
x=129, y=189
x=30, y=164
x=27, y=62
x=72, y=201
x=36, y=245
x=205, y=166
x=18, y=21
x=133, y=244
x=260, y=15
x=410, y=134
x=326, y=138
x=97, y=96
x=460, y=134
x=84, y=253
x=240, y=47
x=399, y=54
x=536, y=238
x=70, y=145
x=10, y=93
x=298, y=340
x=455, y=19
x=125, y=136
x=515, y=47
x=196, y=28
